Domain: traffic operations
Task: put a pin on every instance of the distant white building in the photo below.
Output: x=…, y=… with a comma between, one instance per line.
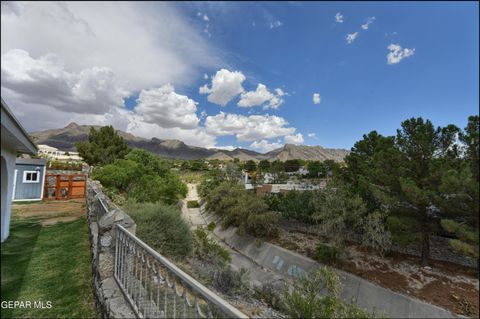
x=56, y=154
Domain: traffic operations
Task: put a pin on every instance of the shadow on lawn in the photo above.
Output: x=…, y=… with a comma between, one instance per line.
x=16, y=255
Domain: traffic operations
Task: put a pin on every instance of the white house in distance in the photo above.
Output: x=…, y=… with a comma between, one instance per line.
x=15, y=140
x=56, y=154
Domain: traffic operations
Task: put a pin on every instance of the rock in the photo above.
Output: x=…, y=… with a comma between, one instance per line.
x=106, y=240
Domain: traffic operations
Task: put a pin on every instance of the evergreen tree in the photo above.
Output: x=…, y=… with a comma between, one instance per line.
x=104, y=146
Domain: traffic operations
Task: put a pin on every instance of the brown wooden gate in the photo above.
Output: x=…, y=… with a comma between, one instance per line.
x=64, y=186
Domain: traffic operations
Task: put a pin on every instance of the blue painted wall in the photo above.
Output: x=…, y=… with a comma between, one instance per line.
x=28, y=190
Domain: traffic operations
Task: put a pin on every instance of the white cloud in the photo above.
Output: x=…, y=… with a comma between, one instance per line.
x=226, y=147
x=316, y=98
x=205, y=76
x=248, y=128
x=369, y=21
x=255, y=98
x=311, y=135
x=166, y=108
x=351, y=37
x=264, y=146
x=224, y=87
x=162, y=46
x=205, y=18
x=45, y=81
x=339, y=17
x=397, y=54
x=275, y=24
x=260, y=96
x=277, y=99
x=294, y=139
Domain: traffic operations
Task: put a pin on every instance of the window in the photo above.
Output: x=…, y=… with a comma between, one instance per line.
x=31, y=176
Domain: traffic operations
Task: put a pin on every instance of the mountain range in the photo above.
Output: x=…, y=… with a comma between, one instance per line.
x=65, y=139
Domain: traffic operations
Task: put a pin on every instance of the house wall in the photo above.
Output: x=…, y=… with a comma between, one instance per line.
x=28, y=191
x=7, y=164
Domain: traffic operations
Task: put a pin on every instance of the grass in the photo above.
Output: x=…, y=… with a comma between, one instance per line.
x=28, y=202
x=191, y=176
x=47, y=263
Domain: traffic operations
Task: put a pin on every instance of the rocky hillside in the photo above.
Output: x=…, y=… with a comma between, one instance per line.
x=291, y=151
x=65, y=139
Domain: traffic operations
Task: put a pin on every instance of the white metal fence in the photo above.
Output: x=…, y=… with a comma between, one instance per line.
x=156, y=288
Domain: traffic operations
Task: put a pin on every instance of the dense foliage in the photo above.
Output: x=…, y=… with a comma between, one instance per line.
x=162, y=227
x=420, y=176
x=104, y=146
x=142, y=176
x=295, y=205
x=243, y=209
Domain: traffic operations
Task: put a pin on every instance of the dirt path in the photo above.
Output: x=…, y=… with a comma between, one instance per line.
x=51, y=212
x=257, y=275
x=192, y=215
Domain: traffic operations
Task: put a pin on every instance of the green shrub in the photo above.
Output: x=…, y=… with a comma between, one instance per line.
x=143, y=177
x=192, y=204
x=211, y=226
x=304, y=300
x=208, y=249
x=270, y=295
x=242, y=209
x=293, y=205
x=162, y=227
x=327, y=254
x=375, y=236
x=264, y=225
x=231, y=282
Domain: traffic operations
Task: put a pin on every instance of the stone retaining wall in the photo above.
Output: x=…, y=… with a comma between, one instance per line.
x=290, y=265
x=109, y=299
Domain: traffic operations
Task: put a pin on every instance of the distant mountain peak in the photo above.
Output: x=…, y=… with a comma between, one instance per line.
x=72, y=125
x=65, y=139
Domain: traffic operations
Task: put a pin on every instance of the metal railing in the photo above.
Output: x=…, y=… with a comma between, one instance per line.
x=156, y=288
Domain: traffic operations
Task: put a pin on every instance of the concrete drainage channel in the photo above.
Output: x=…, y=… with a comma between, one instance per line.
x=287, y=264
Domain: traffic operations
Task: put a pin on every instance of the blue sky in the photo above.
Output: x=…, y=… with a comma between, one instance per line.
x=360, y=91
x=302, y=49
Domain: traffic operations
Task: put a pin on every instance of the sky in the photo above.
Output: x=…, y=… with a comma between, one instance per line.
x=241, y=74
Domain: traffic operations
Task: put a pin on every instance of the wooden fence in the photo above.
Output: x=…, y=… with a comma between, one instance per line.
x=62, y=186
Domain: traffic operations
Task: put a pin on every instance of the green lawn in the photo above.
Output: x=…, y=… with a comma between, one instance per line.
x=47, y=263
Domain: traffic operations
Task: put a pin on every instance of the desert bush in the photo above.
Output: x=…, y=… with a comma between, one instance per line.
x=231, y=282
x=317, y=296
x=327, y=254
x=208, y=249
x=211, y=226
x=375, y=235
x=338, y=213
x=264, y=225
x=192, y=204
x=162, y=227
x=269, y=294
